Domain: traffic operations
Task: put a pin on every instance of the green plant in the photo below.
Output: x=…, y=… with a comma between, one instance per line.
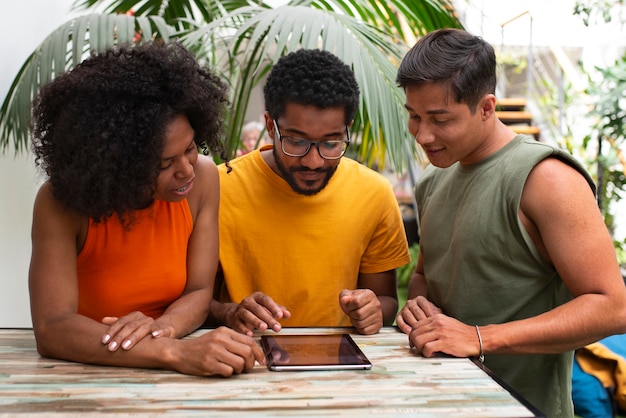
x=607, y=137
x=403, y=273
x=607, y=92
x=242, y=39
x=605, y=10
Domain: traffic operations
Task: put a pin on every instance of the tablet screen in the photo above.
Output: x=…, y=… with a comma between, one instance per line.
x=313, y=352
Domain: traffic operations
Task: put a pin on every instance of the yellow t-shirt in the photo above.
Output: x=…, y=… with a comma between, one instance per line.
x=303, y=250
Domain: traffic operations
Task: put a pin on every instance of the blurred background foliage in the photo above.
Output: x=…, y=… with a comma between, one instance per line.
x=241, y=40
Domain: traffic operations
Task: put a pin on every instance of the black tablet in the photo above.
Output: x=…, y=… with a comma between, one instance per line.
x=286, y=352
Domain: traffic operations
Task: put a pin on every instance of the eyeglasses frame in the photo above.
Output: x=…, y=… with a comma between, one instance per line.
x=316, y=143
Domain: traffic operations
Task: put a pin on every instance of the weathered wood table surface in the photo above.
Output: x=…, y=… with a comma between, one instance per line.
x=399, y=383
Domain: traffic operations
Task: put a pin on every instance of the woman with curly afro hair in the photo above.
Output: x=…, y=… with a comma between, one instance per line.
x=124, y=235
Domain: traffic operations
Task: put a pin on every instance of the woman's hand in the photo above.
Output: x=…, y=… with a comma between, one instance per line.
x=128, y=330
x=222, y=352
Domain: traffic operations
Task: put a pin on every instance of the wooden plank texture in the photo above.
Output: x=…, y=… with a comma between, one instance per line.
x=400, y=383
x=527, y=130
x=514, y=117
x=511, y=103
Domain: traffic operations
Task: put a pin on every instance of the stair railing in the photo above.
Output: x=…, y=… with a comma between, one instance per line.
x=529, y=80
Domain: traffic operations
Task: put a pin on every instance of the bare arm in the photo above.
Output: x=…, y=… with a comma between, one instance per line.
x=189, y=311
x=417, y=307
x=560, y=214
x=62, y=333
x=417, y=284
x=220, y=312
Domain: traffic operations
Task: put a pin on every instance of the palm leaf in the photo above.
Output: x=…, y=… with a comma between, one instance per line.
x=267, y=34
x=179, y=13
x=403, y=19
x=63, y=49
x=241, y=39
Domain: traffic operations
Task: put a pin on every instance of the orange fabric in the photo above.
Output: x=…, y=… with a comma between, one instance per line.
x=141, y=269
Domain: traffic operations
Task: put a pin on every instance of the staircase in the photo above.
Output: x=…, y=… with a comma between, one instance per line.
x=512, y=112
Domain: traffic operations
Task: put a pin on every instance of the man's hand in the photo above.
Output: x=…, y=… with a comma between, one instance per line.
x=363, y=308
x=128, y=330
x=415, y=310
x=257, y=311
x=443, y=334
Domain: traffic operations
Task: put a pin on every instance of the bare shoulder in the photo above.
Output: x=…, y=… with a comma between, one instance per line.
x=48, y=209
x=560, y=212
x=44, y=194
x=53, y=222
x=558, y=171
x=205, y=169
x=553, y=182
x=206, y=185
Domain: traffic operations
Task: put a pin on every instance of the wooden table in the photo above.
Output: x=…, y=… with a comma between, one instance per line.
x=399, y=383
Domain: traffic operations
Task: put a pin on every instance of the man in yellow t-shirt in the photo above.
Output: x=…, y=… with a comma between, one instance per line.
x=308, y=237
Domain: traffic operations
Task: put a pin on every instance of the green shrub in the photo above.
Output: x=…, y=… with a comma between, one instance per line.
x=404, y=273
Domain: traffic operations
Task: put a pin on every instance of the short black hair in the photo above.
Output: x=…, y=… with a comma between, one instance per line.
x=98, y=130
x=311, y=77
x=454, y=57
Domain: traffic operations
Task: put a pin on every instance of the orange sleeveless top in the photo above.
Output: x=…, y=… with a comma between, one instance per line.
x=141, y=269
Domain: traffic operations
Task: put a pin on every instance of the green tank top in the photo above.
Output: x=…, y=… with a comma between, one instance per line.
x=483, y=268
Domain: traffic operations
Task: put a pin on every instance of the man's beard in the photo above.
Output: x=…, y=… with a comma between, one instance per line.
x=290, y=179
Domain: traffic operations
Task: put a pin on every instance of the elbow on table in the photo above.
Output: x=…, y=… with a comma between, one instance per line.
x=43, y=351
x=46, y=340
x=43, y=346
x=41, y=339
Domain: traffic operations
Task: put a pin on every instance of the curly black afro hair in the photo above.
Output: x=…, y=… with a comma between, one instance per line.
x=311, y=77
x=98, y=130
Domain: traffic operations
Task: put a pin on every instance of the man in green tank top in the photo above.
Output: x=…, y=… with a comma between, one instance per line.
x=516, y=265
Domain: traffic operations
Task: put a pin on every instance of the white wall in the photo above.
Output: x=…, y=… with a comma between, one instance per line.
x=17, y=179
x=23, y=25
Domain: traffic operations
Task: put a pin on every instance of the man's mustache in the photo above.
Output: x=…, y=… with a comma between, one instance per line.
x=308, y=170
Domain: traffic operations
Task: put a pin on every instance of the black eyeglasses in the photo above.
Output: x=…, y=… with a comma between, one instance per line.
x=294, y=146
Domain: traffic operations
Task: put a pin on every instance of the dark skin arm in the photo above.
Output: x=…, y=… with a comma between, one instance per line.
x=257, y=311
x=62, y=333
x=374, y=304
x=370, y=307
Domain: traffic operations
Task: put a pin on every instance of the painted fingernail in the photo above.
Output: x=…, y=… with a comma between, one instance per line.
x=106, y=339
x=112, y=346
x=126, y=344
x=156, y=333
